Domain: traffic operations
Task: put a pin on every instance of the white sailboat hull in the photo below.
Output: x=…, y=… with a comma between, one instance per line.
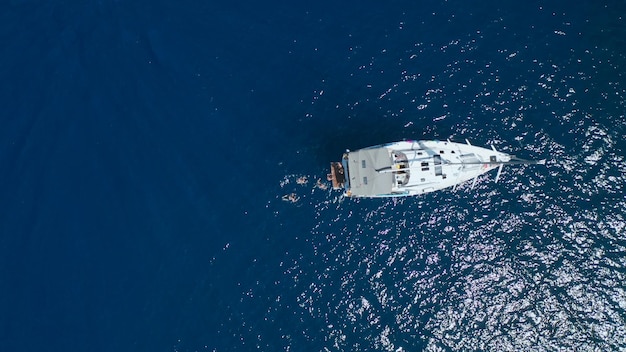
x=409, y=168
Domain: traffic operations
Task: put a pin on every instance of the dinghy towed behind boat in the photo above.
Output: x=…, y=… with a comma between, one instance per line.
x=414, y=167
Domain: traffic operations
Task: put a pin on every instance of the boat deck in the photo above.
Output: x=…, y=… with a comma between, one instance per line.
x=412, y=167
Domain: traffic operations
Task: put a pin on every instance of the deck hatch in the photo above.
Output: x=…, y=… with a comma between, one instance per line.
x=437, y=159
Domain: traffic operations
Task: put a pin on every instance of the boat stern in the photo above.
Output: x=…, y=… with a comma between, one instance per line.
x=337, y=174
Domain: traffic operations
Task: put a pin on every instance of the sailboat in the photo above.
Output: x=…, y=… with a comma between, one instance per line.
x=408, y=168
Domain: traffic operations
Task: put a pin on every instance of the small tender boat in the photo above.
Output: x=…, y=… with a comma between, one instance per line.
x=415, y=167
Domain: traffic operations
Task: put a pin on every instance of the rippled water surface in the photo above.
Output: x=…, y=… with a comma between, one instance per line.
x=532, y=263
x=150, y=152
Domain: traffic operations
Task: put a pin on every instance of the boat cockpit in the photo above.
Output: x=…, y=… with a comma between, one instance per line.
x=401, y=168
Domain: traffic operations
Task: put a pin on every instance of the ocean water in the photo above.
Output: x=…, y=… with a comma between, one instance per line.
x=147, y=146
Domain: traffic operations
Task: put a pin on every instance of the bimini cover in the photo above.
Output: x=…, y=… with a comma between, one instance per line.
x=366, y=178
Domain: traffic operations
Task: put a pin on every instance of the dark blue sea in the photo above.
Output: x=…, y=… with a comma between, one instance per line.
x=146, y=147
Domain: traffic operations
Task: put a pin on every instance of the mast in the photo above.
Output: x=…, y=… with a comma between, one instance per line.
x=513, y=161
